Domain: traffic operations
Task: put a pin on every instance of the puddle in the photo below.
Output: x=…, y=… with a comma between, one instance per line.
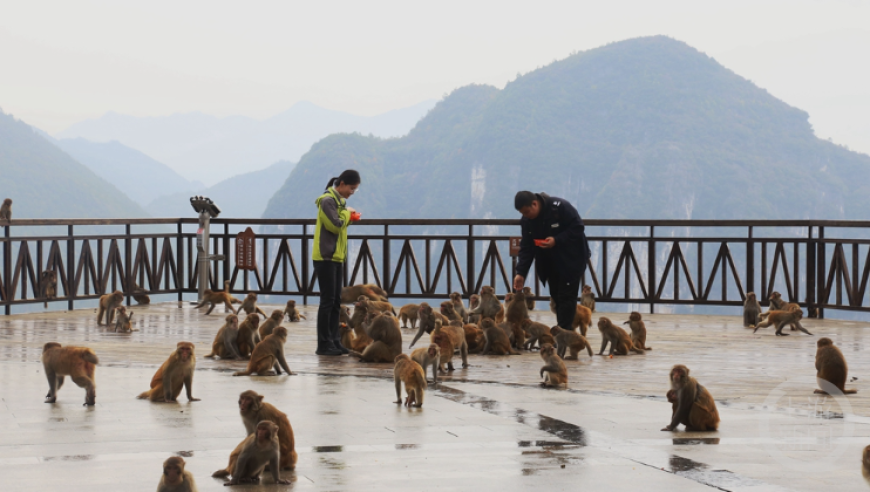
x=327, y=449
x=184, y=454
x=403, y=447
x=75, y=457
x=688, y=441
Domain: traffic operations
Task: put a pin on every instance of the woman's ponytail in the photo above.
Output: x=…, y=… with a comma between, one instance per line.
x=349, y=176
x=332, y=182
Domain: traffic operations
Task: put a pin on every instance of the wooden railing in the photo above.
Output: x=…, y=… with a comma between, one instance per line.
x=694, y=262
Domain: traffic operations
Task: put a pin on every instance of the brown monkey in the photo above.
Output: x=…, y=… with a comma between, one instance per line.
x=108, y=303
x=692, y=404
x=831, y=366
x=6, y=210
x=376, y=306
x=776, y=301
x=556, y=373
x=409, y=372
x=474, y=338
x=269, y=354
x=534, y=330
x=456, y=332
x=448, y=310
x=292, y=313
x=270, y=324
x=76, y=362
x=865, y=463
x=48, y=284
x=587, y=299
x=174, y=478
x=428, y=356
x=489, y=306
x=214, y=298
x=569, y=340
x=352, y=293
x=638, y=330
x=122, y=321
x=458, y=306
x=620, y=342
x=257, y=450
x=473, y=303
x=248, y=335
x=407, y=314
x=447, y=348
x=344, y=315
x=225, y=344
x=530, y=298
x=345, y=335
x=517, y=312
x=497, y=342
x=427, y=317
x=140, y=295
x=751, y=310
x=253, y=410
x=386, y=340
x=176, y=371
x=361, y=340
x=782, y=318
x=250, y=305
x=582, y=318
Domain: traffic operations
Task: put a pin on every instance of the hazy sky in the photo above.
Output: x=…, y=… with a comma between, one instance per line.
x=61, y=61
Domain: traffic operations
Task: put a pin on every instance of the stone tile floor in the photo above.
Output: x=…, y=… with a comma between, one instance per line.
x=488, y=427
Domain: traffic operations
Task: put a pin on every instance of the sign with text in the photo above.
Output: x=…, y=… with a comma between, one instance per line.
x=246, y=250
x=515, y=246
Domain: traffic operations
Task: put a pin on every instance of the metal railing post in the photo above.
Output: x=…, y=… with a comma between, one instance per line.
x=128, y=263
x=70, y=267
x=7, y=269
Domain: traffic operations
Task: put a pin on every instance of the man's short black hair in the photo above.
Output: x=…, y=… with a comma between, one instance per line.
x=524, y=199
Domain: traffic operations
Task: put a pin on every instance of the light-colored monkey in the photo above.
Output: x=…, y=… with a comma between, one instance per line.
x=292, y=312
x=582, y=317
x=411, y=373
x=375, y=306
x=249, y=305
x=351, y=293
x=123, y=322
x=175, y=478
x=537, y=333
x=426, y=317
x=638, y=330
x=587, y=298
x=781, y=319
x=272, y=322
x=530, y=298
x=473, y=303
x=569, y=341
x=553, y=371
x=428, y=356
x=213, y=298
x=108, y=303
x=448, y=310
x=489, y=306
x=175, y=373
x=76, y=362
x=268, y=355
x=226, y=341
x=516, y=312
x=458, y=306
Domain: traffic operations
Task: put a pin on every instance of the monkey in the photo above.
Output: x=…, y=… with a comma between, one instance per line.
x=140, y=295
x=250, y=305
x=344, y=315
x=556, y=373
x=865, y=463
x=538, y=333
x=782, y=318
x=638, y=330
x=407, y=314
x=214, y=298
x=473, y=303
x=292, y=313
x=692, y=404
x=448, y=310
x=108, y=303
x=778, y=304
x=751, y=310
x=456, y=332
x=569, y=340
x=497, y=342
x=386, y=340
x=268, y=355
x=233, y=299
x=378, y=306
x=122, y=321
x=582, y=318
x=352, y=293
x=427, y=317
x=253, y=409
x=587, y=299
x=6, y=210
x=249, y=335
x=76, y=362
x=345, y=335
x=174, y=478
x=270, y=324
x=530, y=298
x=458, y=306
x=225, y=344
x=176, y=371
x=48, y=284
x=474, y=338
x=259, y=449
x=447, y=348
x=489, y=306
x=831, y=366
x=428, y=356
x=620, y=342
x=361, y=340
x=411, y=373
x=517, y=311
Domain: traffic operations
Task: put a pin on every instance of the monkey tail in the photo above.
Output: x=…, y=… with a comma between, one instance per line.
x=638, y=351
x=210, y=356
x=144, y=395
x=221, y=474
x=648, y=348
x=90, y=357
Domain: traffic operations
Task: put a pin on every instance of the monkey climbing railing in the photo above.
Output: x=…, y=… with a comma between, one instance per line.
x=637, y=262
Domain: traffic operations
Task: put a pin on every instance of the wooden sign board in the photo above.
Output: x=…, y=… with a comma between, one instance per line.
x=246, y=250
x=515, y=246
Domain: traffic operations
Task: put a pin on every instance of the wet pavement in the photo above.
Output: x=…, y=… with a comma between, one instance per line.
x=488, y=427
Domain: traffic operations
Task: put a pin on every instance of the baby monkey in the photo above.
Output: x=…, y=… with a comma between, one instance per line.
x=175, y=478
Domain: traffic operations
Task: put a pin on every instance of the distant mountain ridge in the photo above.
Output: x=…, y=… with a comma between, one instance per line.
x=209, y=149
x=643, y=128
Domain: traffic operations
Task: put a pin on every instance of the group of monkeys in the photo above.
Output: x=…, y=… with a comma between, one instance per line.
x=372, y=333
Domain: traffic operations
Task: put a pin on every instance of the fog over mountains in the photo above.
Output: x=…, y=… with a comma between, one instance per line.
x=205, y=148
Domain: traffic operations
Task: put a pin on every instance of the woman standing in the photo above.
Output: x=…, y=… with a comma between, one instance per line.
x=330, y=253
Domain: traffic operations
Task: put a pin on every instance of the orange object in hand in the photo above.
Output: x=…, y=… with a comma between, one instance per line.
x=540, y=242
x=355, y=216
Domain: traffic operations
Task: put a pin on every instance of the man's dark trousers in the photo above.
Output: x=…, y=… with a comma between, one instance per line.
x=564, y=293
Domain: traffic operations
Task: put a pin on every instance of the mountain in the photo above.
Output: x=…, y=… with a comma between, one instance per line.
x=643, y=128
x=45, y=182
x=142, y=178
x=243, y=196
x=209, y=149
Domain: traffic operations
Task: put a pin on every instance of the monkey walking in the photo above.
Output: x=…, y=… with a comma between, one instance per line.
x=692, y=405
x=175, y=478
x=427, y=317
x=76, y=362
x=108, y=303
x=428, y=356
x=782, y=318
x=620, y=341
x=409, y=372
x=408, y=315
x=831, y=367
